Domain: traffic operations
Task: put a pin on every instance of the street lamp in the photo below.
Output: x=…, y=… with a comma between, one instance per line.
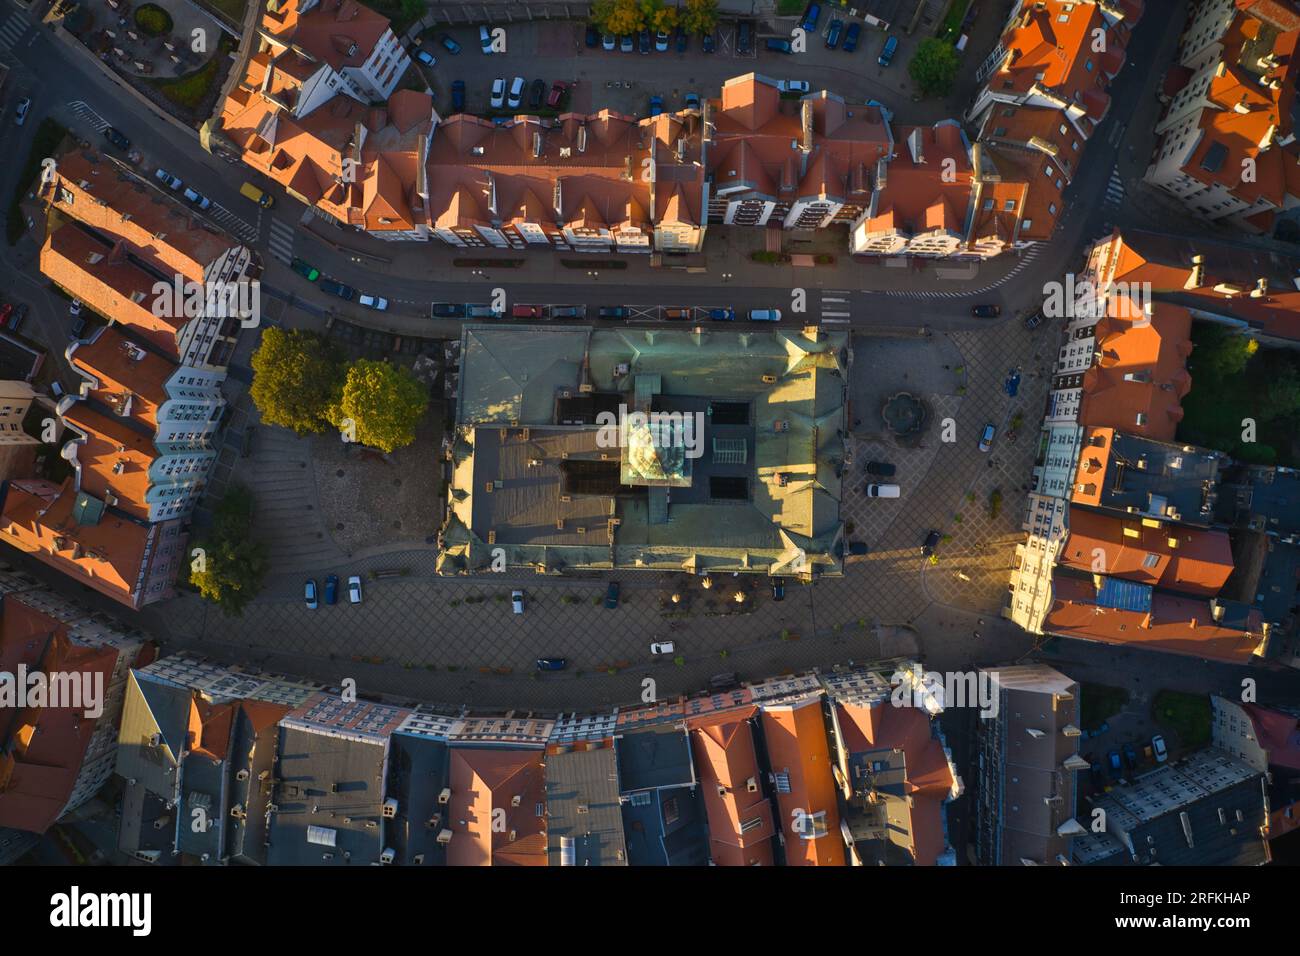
x=726, y=276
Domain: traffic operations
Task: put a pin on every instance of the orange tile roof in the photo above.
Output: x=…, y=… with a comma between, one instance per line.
x=1142, y=369
x=1050, y=44
x=42, y=748
x=1174, y=624
x=727, y=763
x=929, y=779
x=123, y=369
x=1200, y=561
x=115, y=459
x=918, y=197
x=484, y=786
x=796, y=747
x=343, y=33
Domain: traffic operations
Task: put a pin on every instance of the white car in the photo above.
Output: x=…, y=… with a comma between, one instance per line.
x=662, y=647
x=498, y=93
x=517, y=601
x=167, y=179
x=376, y=302
x=793, y=86
x=200, y=200
x=516, y=92
x=1159, y=749
x=354, y=589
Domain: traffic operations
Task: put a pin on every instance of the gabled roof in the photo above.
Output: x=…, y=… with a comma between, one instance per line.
x=739, y=814
x=795, y=734
x=489, y=787
x=1174, y=557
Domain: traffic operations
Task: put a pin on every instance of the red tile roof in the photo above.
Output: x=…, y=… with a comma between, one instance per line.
x=485, y=785
x=798, y=752
x=727, y=762
x=1200, y=561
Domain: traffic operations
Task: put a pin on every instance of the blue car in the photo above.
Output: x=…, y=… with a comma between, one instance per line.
x=611, y=595
x=458, y=96
x=551, y=663
x=851, y=37
x=833, y=34
x=656, y=105
x=887, y=54
x=1012, y=384
x=332, y=589
x=1130, y=757
x=310, y=594
x=448, y=44
x=810, y=17
x=777, y=45
x=1116, y=768
x=722, y=315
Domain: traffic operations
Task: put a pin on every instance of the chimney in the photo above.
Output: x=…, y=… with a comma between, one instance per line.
x=1196, y=278
x=537, y=145
x=1261, y=288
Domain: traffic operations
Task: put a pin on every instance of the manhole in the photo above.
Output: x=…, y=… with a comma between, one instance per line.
x=339, y=526
x=397, y=482
x=397, y=525
x=339, y=473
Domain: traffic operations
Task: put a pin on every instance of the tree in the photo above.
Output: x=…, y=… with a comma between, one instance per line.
x=699, y=16
x=934, y=67
x=379, y=405
x=1220, y=353
x=617, y=17
x=229, y=564
x=295, y=376
x=1282, y=394
x=651, y=11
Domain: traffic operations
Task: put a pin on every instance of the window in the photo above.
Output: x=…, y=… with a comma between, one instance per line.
x=1151, y=560
x=1010, y=206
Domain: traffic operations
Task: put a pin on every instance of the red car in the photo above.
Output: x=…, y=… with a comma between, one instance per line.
x=5, y=311
x=526, y=311
x=558, y=89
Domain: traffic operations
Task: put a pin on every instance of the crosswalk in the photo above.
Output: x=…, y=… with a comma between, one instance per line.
x=1115, y=189
x=281, y=241
x=1026, y=257
x=835, y=309
x=236, y=226
x=13, y=30
x=82, y=110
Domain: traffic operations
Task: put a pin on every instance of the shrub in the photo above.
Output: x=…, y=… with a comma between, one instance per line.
x=153, y=20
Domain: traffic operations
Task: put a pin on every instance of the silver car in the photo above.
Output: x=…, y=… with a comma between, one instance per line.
x=516, y=92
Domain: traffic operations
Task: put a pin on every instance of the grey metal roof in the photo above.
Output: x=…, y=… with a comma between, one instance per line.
x=582, y=808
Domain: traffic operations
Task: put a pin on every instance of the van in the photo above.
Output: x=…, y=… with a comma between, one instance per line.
x=263, y=199
x=882, y=491
x=887, y=54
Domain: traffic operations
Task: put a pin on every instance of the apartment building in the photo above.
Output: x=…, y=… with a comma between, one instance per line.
x=15, y=401
x=1226, y=147
x=1268, y=740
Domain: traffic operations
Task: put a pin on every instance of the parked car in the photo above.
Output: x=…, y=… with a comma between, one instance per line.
x=167, y=179
x=778, y=589
x=1130, y=757
x=811, y=14
x=1012, y=385
x=1159, y=749
x=517, y=601
x=611, y=595
x=724, y=681
x=661, y=42
x=56, y=388
x=309, y=592
x=333, y=287
x=1116, y=768
x=1033, y=321
x=376, y=302
x=1094, y=771
x=986, y=436
x=568, y=312
x=17, y=318
x=692, y=100
x=722, y=315
x=526, y=312
x=20, y=111
x=74, y=307
x=536, y=94
x=116, y=138
x=592, y=38
x=482, y=311
x=793, y=86
x=458, y=96
x=883, y=491
x=498, y=99
x=626, y=44
x=516, y=93
x=485, y=40
x=424, y=56
x=196, y=197
x=834, y=33
x=931, y=542
x=662, y=647
x=887, y=53
x=656, y=105
x=612, y=312
x=558, y=89
x=448, y=310
x=971, y=14
x=332, y=589
x=858, y=547
x=6, y=310
x=881, y=469
x=678, y=313
x=683, y=40
x=354, y=589
x=78, y=326
x=551, y=663
x=709, y=42
x=609, y=42
x=643, y=42
x=765, y=315
x=304, y=269
x=851, y=37
x=263, y=199
x=448, y=44
x=986, y=311
x=777, y=45
x=744, y=36
x=1097, y=732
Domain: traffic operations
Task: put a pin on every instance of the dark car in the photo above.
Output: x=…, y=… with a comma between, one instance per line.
x=778, y=589
x=971, y=14
x=458, y=95
x=851, y=37
x=448, y=44
x=592, y=38
x=811, y=14
x=17, y=317
x=304, y=269
x=1012, y=385
x=643, y=41
x=834, y=33
x=656, y=105
x=558, y=89
x=1130, y=757
x=744, y=35
x=931, y=542
x=986, y=311
x=611, y=595
x=1116, y=768
x=332, y=589
x=116, y=138
x=881, y=469
x=612, y=312
x=536, y=94
x=338, y=289
x=683, y=41
x=708, y=42
x=779, y=46
x=448, y=310
x=424, y=56
x=724, y=681
x=887, y=53
x=858, y=547
x=551, y=663
x=1094, y=771
x=722, y=315
x=1034, y=321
